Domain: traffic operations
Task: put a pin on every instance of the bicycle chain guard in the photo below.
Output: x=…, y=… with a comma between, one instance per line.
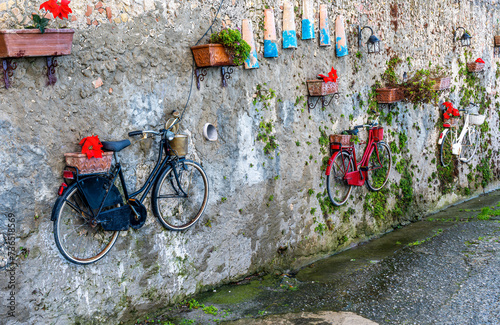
x=138, y=214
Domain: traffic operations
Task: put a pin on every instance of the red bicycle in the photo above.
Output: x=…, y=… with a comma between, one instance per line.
x=344, y=171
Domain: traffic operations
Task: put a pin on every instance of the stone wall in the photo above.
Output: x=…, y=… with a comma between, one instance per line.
x=266, y=212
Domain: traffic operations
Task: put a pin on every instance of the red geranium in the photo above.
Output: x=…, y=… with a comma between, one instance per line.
x=332, y=76
x=65, y=10
x=91, y=146
x=58, y=9
x=450, y=110
x=51, y=6
x=479, y=60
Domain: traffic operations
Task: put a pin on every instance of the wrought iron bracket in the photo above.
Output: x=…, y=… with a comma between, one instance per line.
x=325, y=102
x=443, y=91
x=225, y=73
x=8, y=71
x=389, y=105
x=200, y=76
x=51, y=70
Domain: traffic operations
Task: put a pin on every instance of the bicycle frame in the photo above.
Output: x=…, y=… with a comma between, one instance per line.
x=117, y=172
x=358, y=176
x=457, y=143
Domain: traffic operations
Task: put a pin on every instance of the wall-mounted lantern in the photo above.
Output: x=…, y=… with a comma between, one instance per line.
x=465, y=39
x=373, y=43
x=496, y=47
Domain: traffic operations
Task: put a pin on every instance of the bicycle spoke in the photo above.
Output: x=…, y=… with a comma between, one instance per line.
x=179, y=202
x=76, y=239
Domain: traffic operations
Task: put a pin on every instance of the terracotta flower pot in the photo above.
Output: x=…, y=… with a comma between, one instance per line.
x=450, y=122
x=16, y=43
x=475, y=66
x=320, y=88
x=441, y=83
x=89, y=165
x=211, y=55
x=389, y=95
x=344, y=139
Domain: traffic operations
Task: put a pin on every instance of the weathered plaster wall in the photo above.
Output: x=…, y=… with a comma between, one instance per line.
x=268, y=219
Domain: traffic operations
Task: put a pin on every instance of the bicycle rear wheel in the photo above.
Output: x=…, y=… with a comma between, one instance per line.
x=378, y=167
x=338, y=189
x=469, y=144
x=78, y=239
x=446, y=152
x=176, y=210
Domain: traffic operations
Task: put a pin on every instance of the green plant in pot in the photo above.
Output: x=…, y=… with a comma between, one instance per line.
x=231, y=39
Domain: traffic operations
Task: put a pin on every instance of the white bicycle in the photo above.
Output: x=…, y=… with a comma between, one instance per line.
x=464, y=145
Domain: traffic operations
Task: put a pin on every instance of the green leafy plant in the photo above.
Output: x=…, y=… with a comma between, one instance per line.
x=233, y=42
x=58, y=9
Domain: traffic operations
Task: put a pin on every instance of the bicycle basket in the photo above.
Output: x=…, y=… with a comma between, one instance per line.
x=89, y=165
x=477, y=119
x=179, y=145
x=343, y=139
x=378, y=134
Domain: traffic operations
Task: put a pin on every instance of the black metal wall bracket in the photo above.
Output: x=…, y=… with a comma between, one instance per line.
x=8, y=71
x=51, y=70
x=225, y=72
x=389, y=105
x=8, y=67
x=325, y=102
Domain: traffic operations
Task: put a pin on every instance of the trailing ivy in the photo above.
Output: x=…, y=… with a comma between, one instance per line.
x=266, y=128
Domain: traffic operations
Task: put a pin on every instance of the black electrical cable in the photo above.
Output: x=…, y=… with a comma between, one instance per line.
x=194, y=64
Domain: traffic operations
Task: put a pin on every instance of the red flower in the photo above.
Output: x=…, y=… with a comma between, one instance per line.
x=448, y=105
x=91, y=146
x=51, y=6
x=479, y=60
x=446, y=116
x=332, y=76
x=455, y=112
x=64, y=9
x=60, y=9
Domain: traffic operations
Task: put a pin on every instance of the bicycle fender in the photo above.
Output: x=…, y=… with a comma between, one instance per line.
x=330, y=162
x=441, y=136
x=58, y=201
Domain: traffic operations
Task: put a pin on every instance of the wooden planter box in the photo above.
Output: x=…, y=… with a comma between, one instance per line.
x=89, y=165
x=441, y=83
x=475, y=67
x=17, y=43
x=343, y=139
x=320, y=88
x=211, y=55
x=389, y=95
x=497, y=40
x=450, y=122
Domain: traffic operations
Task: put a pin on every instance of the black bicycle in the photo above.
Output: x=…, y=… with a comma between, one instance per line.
x=94, y=208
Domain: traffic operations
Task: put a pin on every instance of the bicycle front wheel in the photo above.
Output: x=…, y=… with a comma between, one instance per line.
x=79, y=240
x=179, y=202
x=338, y=188
x=469, y=144
x=379, y=167
x=446, y=152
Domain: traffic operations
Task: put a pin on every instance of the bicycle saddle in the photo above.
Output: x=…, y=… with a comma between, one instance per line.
x=115, y=145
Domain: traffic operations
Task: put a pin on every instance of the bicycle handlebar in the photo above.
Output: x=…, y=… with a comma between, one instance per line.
x=375, y=123
x=135, y=133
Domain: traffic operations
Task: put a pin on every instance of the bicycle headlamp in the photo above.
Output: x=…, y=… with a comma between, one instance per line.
x=170, y=135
